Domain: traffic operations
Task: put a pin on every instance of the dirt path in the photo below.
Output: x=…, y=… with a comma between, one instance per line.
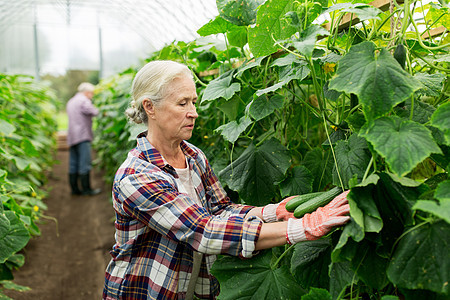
x=71, y=265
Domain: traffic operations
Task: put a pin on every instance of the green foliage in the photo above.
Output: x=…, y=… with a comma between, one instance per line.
x=239, y=12
x=309, y=263
x=375, y=77
x=441, y=120
x=401, y=142
x=257, y=278
x=270, y=27
x=244, y=175
x=27, y=134
x=307, y=107
x=413, y=267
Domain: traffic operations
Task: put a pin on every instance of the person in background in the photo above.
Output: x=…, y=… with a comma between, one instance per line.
x=172, y=214
x=80, y=111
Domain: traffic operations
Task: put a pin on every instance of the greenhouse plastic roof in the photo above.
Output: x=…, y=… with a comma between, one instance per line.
x=71, y=33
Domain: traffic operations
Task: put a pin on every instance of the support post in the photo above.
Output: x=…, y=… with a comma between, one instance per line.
x=100, y=47
x=36, y=52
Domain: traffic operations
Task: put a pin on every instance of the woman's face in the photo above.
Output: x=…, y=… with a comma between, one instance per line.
x=175, y=116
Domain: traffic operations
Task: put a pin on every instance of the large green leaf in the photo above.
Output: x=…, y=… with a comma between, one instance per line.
x=441, y=120
x=441, y=209
x=317, y=294
x=254, y=279
x=15, y=239
x=363, y=11
x=370, y=267
x=432, y=83
x=9, y=285
x=362, y=206
x=395, y=200
x=6, y=128
x=29, y=148
x=352, y=158
x=263, y=106
x=4, y=225
x=218, y=25
x=270, y=27
x=300, y=182
x=233, y=107
x=375, y=77
x=237, y=35
x=255, y=173
x=341, y=276
x=239, y=12
x=347, y=245
x=309, y=263
x=422, y=259
x=443, y=191
x=306, y=42
x=402, y=143
x=233, y=129
x=221, y=87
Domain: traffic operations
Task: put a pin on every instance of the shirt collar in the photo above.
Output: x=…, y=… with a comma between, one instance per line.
x=152, y=155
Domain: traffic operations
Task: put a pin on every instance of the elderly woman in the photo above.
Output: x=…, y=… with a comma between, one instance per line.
x=172, y=214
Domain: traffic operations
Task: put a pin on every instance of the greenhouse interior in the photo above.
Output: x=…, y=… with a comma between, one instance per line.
x=246, y=149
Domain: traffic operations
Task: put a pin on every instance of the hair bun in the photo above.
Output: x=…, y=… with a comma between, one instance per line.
x=134, y=115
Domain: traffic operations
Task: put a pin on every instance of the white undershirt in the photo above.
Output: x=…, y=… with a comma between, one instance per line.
x=185, y=183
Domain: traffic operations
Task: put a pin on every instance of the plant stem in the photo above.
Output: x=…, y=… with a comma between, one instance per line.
x=411, y=114
x=431, y=65
x=309, y=106
x=419, y=39
x=332, y=151
x=408, y=231
x=368, y=168
x=275, y=264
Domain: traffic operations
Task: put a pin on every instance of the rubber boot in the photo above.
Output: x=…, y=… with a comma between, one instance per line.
x=86, y=186
x=73, y=180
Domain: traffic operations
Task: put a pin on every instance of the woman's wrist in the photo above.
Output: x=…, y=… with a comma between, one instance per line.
x=295, y=231
x=269, y=213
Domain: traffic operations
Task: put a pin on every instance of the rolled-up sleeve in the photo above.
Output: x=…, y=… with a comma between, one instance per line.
x=156, y=203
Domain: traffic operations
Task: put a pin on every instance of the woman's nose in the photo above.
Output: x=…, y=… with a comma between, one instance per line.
x=192, y=113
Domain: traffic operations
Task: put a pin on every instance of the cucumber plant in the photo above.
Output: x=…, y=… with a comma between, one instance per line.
x=297, y=107
x=27, y=134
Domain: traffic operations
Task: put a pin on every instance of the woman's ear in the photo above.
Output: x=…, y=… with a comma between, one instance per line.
x=148, y=106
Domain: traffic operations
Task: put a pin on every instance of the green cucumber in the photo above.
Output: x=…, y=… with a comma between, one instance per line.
x=316, y=202
x=400, y=55
x=294, y=202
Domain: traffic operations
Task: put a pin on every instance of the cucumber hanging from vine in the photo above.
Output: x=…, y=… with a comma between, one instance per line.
x=400, y=55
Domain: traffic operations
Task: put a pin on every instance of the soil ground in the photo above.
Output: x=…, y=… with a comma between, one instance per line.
x=68, y=261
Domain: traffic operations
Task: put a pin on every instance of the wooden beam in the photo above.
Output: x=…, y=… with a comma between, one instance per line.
x=352, y=19
x=434, y=32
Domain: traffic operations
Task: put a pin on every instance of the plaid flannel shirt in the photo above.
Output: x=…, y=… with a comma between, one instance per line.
x=158, y=228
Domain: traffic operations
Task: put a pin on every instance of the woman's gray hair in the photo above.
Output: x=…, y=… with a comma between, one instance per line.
x=86, y=87
x=150, y=83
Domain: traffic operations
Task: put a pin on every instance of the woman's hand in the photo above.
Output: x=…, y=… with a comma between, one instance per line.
x=277, y=212
x=320, y=222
